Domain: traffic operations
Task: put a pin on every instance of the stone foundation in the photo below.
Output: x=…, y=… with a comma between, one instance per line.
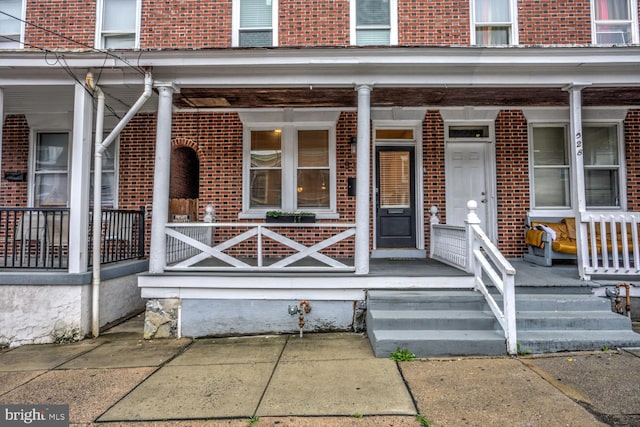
x=161, y=318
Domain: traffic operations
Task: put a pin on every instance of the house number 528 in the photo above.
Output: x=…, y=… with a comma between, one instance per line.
x=579, y=144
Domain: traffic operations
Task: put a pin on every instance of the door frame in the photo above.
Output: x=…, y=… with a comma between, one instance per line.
x=416, y=143
x=489, y=147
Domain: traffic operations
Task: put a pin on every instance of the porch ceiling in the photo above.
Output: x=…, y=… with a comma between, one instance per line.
x=234, y=98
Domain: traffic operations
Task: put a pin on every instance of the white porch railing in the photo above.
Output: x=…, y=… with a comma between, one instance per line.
x=611, y=243
x=195, y=247
x=470, y=249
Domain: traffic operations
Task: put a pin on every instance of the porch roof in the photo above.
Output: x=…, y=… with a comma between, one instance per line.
x=325, y=77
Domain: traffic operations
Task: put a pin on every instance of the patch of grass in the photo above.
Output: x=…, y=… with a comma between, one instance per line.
x=605, y=348
x=424, y=421
x=253, y=420
x=357, y=416
x=522, y=351
x=402, y=355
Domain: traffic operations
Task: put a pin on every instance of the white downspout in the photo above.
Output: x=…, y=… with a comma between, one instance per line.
x=97, y=186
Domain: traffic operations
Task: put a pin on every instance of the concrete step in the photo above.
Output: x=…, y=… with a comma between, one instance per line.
x=425, y=343
x=426, y=300
x=549, y=341
x=571, y=320
x=563, y=303
x=440, y=320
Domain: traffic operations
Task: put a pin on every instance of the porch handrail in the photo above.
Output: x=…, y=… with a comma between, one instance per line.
x=610, y=243
x=188, y=246
x=486, y=261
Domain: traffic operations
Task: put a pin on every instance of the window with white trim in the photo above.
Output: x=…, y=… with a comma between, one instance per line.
x=602, y=166
x=493, y=22
x=374, y=22
x=118, y=24
x=551, y=170
x=603, y=175
x=614, y=21
x=51, y=169
x=12, y=29
x=290, y=168
x=255, y=23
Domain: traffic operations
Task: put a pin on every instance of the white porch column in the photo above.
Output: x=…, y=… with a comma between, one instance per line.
x=160, y=215
x=578, y=196
x=80, y=180
x=363, y=194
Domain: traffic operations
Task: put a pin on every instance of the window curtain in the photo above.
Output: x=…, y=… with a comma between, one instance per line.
x=492, y=11
x=612, y=10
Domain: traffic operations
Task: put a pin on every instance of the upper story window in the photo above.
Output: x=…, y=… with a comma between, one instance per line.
x=615, y=21
x=494, y=22
x=118, y=24
x=255, y=23
x=12, y=29
x=603, y=174
x=374, y=22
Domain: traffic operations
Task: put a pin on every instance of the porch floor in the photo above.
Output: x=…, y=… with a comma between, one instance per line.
x=527, y=274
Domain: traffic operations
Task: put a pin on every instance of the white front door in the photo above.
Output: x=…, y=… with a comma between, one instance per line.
x=469, y=176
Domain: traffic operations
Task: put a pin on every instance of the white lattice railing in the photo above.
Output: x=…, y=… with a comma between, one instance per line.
x=189, y=250
x=611, y=243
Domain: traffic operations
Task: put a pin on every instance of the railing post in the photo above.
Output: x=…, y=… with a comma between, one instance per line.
x=509, y=311
x=472, y=219
x=433, y=220
x=141, y=232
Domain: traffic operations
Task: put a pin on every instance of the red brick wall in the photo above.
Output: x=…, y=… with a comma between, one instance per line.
x=512, y=169
x=632, y=144
x=15, y=158
x=434, y=173
x=433, y=22
x=313, y=23
x=554, y=22
x=194, y=24
x=69, y=19
x=185, y=24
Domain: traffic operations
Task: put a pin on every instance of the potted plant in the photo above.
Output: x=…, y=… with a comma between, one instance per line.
x=290, y=217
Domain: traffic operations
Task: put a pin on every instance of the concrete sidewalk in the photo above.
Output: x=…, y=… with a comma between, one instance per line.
x=319, y=380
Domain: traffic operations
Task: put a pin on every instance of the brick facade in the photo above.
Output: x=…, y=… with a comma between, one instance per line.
x=216, y=137
x=199, y=24
x=512, y=176
x=15, y=158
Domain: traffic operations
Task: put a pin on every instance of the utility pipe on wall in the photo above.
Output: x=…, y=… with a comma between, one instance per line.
x=97, y=184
